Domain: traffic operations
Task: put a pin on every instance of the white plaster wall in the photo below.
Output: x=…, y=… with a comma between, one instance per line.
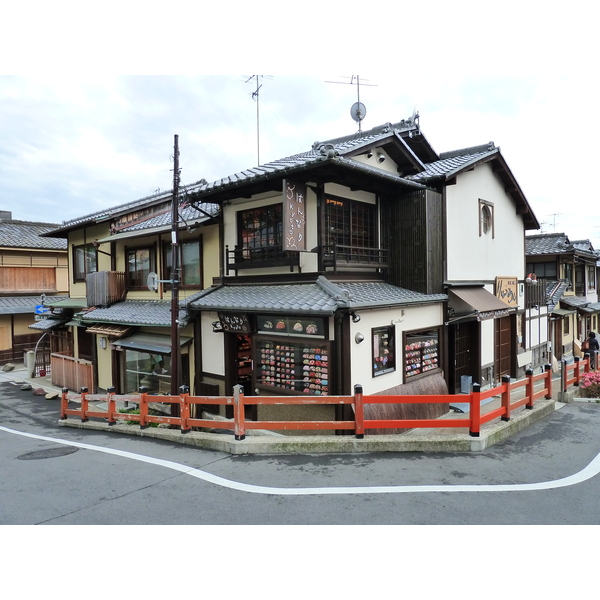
x=471, y=257
x=213, y=346
x=414, y=318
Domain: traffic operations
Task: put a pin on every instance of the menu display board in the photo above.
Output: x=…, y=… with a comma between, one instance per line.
x=282, y=325
x=421, y=353
x=300, y=368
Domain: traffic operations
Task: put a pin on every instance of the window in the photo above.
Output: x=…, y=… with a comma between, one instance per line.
x=486, y=218
x=85, y=260
x=190, y=263
x=349, y=223
x=261, y=232
x=545, y=270
x=591, y=278
x=568, y=274
x=384, y=350
x=152, y=371
x=421, y=353
x=140, y=263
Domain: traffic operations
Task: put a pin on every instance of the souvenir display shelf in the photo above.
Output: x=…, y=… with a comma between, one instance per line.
x=293, y=367
x=421, y=355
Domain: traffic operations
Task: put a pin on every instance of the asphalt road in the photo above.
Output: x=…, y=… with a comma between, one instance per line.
x=53, y=475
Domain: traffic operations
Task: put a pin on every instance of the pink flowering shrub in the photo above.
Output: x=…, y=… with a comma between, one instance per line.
x=589, y=386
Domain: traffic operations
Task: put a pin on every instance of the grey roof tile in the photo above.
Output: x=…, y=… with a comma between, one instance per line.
x=20, y=305
x=547, y=243
x=156, y=313
x=323, y=297
x=26, y=234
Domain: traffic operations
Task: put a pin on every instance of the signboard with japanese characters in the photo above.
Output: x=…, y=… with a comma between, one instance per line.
x=294, y=217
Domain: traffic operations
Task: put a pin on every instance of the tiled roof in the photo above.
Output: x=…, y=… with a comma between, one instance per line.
x=26, y=234
x=446, y=167
x=188, y=214
x=555, y=291
x=108, y=213
x=323, y=297
x=547, y=243
x=149, y=313
x=24, y=304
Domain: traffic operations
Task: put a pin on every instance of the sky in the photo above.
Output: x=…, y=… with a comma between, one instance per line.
x=94, y=134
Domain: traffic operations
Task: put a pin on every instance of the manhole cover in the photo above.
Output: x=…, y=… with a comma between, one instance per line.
x=48, y=453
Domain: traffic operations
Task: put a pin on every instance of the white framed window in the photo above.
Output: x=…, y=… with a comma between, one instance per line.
x=486, y=218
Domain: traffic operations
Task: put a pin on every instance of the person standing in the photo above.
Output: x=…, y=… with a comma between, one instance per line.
x=592, y=347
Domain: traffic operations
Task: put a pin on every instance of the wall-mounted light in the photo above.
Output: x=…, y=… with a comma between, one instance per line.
x=355, y=317
x=217, y=327
x=369, y=154
x=531, y=278
x=102, y=342
x=380, y=157
x=359, y=337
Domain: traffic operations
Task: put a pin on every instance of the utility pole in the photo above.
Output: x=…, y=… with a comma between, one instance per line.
x=175, y=349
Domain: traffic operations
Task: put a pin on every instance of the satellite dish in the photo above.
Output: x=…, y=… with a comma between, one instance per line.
x=358, y=111
x=152, y=282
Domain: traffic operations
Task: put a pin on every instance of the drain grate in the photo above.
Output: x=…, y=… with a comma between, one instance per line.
x=48, y=453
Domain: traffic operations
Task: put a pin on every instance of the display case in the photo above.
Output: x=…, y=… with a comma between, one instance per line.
x=294, y=367
x=421, y=353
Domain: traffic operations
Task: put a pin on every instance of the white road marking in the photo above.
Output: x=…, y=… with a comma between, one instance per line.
x=592, y=469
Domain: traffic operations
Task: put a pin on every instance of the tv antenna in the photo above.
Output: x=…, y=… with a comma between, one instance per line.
x=255, y=96
x=358, y=110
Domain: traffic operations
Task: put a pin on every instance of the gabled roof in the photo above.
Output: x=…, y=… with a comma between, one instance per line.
x=26, y=235
x=558, y=243
x=547, y=243
x=451, y=164
x=107, y=214
x=555, y=291
x=321, y=297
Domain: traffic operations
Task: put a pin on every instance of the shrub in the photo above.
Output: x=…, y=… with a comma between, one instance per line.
x=589, y=386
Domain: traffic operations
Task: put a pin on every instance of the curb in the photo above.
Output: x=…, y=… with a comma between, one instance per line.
x=429, y=440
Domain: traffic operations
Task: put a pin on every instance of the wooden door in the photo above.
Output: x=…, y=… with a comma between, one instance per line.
x=503, y=343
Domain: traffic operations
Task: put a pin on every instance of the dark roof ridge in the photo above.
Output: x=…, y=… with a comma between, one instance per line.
x=471, y=150
x=404, y=125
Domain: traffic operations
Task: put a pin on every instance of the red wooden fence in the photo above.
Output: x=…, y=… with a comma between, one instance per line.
x=513, y=395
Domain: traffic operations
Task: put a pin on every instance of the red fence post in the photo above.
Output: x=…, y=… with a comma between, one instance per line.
x=64, y=403
x=184, y=412
x=506, y=398
x=548, y=385
x=143, y=407
x=359, y=412
x=112, y=405
x=239, y=416
x=475, y=412
x=84, y=405
x=529, y=388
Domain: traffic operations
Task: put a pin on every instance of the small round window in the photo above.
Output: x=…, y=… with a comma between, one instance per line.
x=486, y=218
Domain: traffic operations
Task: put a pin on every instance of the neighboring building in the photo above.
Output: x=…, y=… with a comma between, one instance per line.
x=569, y=273
x=31, y=269
x=120, y=292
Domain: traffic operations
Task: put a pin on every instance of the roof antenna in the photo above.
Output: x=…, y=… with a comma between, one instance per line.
x=255, y=96
x=358, y=110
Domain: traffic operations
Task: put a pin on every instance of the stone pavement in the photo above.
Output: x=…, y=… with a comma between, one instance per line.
x=256, y=442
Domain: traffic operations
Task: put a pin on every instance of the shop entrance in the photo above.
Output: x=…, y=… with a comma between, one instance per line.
x=464, y=350
x=238, y=369
x=503, y=350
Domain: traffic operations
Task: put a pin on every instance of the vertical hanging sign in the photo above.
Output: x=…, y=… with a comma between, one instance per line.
x=294, y=218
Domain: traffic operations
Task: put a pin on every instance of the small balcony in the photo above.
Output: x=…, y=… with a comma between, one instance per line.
x=336, y=256
x=105, y=288
x=257, y=258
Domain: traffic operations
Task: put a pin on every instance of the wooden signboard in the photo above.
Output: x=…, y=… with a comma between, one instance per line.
x=294, y=217
x=235, y=322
